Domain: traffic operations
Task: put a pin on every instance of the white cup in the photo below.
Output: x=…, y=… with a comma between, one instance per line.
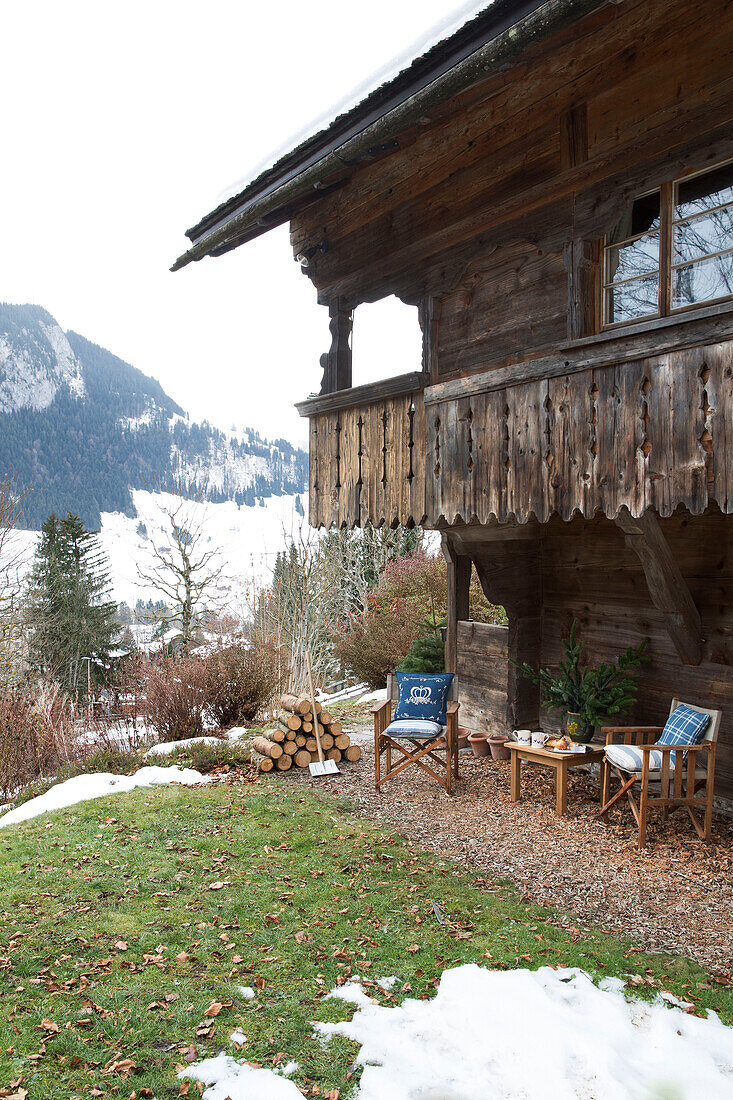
x=539, y=739
x=524, y=737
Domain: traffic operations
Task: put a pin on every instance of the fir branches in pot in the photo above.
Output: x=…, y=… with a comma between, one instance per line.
x=586, y=695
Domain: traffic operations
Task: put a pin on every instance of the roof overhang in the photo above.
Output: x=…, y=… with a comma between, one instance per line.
x=481, y=48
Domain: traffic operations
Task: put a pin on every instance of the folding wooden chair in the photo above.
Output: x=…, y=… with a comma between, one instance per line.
x=421, y=748
x=695, y=772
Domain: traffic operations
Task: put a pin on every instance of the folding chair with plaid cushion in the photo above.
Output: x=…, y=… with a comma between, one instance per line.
x=419, y=733
x=658, y=761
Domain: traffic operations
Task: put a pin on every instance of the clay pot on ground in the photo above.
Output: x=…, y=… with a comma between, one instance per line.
x=479, y=742
x=462, y=738
x=497, y=744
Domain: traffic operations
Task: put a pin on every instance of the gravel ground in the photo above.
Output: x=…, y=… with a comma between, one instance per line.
x=676, y=896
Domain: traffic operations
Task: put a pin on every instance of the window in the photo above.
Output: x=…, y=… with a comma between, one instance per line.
x=672, y=249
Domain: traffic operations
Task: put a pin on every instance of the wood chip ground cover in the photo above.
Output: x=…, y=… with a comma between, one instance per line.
x=677, y=895
x=132, y=926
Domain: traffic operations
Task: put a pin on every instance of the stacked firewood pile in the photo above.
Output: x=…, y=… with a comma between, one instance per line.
x=291, y=741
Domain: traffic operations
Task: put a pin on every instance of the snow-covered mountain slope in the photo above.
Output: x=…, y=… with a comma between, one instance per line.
x=36, y=360
x=83, y=430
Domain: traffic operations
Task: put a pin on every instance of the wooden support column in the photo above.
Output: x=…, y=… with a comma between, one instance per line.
x=582, y=258
x=667, y=587
x=510, y=572
x=336, y=362
x=459, y=583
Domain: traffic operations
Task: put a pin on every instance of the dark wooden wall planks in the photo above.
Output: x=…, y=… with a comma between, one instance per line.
x=589, y=573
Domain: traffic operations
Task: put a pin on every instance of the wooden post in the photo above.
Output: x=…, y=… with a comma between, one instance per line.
x=336, y=362
x=510, y=572
x=459, y=583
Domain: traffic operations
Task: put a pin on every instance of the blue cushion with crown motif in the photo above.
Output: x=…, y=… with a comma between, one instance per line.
x=423, y=695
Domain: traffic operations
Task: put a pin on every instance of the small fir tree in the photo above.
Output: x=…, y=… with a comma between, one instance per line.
x=70, y=614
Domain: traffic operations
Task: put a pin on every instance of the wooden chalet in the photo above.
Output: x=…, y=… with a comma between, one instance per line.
x=551, y=188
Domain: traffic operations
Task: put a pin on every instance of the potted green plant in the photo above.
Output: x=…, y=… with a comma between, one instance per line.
x=585, y=695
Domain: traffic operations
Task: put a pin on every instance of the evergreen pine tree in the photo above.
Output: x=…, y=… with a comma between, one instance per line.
x=69, y=611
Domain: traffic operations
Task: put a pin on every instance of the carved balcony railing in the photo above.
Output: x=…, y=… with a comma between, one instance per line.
x=653, y=432
x=367, y=454
x=601, y=429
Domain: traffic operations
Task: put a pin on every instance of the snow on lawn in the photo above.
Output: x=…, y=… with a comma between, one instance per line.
x=231, y=1080
x=545, y=1034
x=83, y=788
x=165, y=748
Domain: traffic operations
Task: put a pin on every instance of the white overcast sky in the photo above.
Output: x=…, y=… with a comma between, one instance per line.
x=123, y=124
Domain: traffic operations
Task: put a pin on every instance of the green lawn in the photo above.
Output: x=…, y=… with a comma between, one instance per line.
x=126, y=919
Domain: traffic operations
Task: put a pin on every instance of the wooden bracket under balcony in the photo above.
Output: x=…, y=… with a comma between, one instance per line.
x=667, y=587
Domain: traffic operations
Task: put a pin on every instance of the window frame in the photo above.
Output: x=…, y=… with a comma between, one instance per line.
x=668, y=194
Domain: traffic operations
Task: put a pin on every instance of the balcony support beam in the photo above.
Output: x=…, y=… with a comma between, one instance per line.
x=667, y=587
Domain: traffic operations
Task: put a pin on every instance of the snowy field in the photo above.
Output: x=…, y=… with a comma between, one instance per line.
x=246, y=538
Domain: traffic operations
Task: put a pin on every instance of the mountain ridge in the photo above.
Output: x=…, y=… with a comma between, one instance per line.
x=80, y=429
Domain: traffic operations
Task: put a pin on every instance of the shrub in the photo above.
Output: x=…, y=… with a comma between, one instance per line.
x=206, y=758
x=243, y=677
x=177, y=697
x=426, y=654
x=406, y=604
x=37, y=734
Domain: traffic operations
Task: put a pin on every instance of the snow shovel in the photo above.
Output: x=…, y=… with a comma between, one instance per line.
x=323, y=767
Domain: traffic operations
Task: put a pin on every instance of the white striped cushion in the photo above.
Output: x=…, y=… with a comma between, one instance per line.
x=413, y=727
x=629, y=758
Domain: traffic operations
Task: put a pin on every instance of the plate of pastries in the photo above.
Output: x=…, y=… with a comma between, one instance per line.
x=560, y=744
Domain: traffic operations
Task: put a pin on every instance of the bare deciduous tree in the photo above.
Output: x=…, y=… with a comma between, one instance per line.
x=184, y=570
x=11, y=561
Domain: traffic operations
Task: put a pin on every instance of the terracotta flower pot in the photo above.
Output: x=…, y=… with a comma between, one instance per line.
x=463, y=737
x=479, y=742
x=497, y=744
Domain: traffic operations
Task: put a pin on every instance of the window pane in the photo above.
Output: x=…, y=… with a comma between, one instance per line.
x=702, y=281
x=703, y=192
x=700, y=236
x=629, y=301
x=628, y=261
x=640, y=216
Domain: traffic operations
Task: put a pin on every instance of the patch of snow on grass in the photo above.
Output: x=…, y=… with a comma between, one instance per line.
x=164, y=748
x=247, y=992
x=238, y=1037
x=536, y=1035
x=236, y=733
x=351, y=992
x=83, y=788
x=230, y=1080
x=386, y=983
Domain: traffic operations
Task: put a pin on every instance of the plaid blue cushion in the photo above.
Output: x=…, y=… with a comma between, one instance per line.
x=685, y=726
x=413, y=727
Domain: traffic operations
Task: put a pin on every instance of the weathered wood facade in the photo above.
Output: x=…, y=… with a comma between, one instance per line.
x=581, y=460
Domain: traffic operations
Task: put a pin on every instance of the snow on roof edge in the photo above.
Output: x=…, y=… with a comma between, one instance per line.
x=435, y=36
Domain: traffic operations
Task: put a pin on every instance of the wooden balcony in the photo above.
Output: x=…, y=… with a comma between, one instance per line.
x=367, y=454
x=600, y=429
